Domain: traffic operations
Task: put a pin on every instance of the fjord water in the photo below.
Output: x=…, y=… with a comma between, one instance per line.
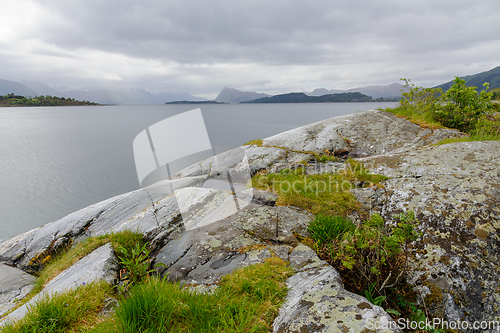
x=56, y=160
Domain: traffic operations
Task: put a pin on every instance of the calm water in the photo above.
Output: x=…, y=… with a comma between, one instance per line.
x=54, y=161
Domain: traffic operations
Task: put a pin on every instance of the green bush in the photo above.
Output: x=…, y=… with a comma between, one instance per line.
x=462, y=106
x=375, y=252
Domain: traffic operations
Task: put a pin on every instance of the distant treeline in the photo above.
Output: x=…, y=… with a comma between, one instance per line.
x=330, y=98
x=17, y=100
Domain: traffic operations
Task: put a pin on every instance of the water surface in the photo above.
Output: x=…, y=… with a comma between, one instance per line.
x=55, y=160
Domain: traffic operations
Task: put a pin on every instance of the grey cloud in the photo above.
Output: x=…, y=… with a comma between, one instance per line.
x=353, y=41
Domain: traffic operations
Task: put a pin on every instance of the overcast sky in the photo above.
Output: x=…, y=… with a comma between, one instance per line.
x=201, y=46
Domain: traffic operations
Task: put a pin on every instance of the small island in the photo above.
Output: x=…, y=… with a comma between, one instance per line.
x=12, y=100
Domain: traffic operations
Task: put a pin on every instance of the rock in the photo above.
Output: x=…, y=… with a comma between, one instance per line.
x=454, y=190
x=303, y=258
x=100, y=265
x=14, y=285
x=365, y=133
x=318, y=302
x=203, y=255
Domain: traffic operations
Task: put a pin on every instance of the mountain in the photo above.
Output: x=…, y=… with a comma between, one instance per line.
x=392, y=90
x=8, y=87
x=323, y=91
x=492, y=76
x=41, y=88
x=303, y=98
x=161, y=98
x=230, y=95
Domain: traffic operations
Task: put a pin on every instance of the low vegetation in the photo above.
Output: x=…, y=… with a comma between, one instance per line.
x=246, y=300
x=16, y=100
x=460, y=107
x=325, y=193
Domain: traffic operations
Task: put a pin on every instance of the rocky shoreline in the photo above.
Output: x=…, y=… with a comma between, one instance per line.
x=198, y=235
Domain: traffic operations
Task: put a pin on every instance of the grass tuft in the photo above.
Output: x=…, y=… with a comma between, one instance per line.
x=72, y=311
x=247, y=300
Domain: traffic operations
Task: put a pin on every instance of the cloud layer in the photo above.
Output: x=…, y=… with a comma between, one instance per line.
x=267, y=46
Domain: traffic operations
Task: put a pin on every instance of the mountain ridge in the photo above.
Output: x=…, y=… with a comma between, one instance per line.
x=492, y=77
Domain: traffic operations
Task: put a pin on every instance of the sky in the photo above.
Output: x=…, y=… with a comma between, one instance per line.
x=278, y=46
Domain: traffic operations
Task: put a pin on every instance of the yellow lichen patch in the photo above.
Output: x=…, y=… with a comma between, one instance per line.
x=253, y=247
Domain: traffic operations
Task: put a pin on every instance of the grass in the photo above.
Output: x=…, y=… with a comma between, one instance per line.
x=246, y=300
x=424, y=120
x=69, y=256
x=73, y=311
x=470, y=138
x=325, y=193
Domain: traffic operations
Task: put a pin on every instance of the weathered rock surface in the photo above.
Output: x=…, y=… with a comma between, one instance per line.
x=100, y=265
x=318, y=302
x=362, y=134
x=14, y=285
x=454, y=190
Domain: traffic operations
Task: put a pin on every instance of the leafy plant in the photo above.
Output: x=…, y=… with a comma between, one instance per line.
x=369, y=296
x=371, y=257
x=462, y=106
x=136, y=261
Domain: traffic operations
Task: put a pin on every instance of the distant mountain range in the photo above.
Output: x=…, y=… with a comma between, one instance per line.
x=390, y=91
x=477, y=80
x=303, y=98
x=227, y=95
x=96, y=95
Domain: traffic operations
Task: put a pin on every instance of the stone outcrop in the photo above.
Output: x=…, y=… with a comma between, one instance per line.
x=454, y=190
x=200, y=230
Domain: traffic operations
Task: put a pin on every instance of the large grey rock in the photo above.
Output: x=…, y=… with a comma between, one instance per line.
x=318, y=302
x=203, y=255
x=14, y=285
x=364, y=134
x=454, y=190
x=100, y=265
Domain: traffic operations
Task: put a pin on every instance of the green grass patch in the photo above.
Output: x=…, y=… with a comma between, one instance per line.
x=56, y=264
x=246, y=300
x=470, y=138
x=424, y=120
x=327, y=193
x=73, y=311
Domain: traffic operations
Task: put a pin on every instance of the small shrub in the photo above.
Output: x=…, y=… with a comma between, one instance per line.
x=372, y=256
x=462, y=106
